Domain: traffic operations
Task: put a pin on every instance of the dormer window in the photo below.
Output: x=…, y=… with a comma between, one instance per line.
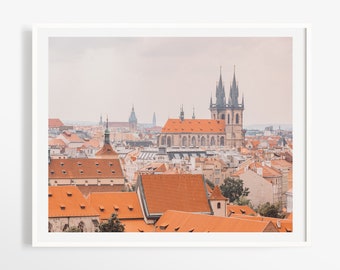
x=101, y=208
x=63, y=171
x=82, y=206
x=98, y=171
x=62, y=207
x=116, y=207
x=113, y=171
x=49, y=194
x=79, y=163
x=69, y=194
x=81, y=171
x=61, y=163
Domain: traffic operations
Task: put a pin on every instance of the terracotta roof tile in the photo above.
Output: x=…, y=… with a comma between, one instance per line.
x=137, y=225
x=194, y=126
x=125, y=204
x=82, y=168
x=282, y=225
x=107, y=151
x=56, y=142
x=239, y=209
x=72, y=137
x=67, y=201
x=176, y=221
x=54, y=123
x=86, y=190
x=183, y=192
x=217, y=194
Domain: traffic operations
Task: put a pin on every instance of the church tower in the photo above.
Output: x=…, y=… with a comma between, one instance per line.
x=133, y=120
x=218, y=109
x=234, y=117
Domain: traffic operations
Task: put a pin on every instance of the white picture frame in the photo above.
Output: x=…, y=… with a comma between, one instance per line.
x=300, y=236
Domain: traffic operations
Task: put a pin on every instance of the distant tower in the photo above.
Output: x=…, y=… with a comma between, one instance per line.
x=101, y=121
x=181, y=114
x=107, y=132
x=133, y=120
x=154, y=119
x=234, y=117
x=193, y=113
x=218, y=109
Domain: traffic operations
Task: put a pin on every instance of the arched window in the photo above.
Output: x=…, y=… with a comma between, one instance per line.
x=218, y=205
x=163, y=140
x=237, y=118
x=203, y=141
x=212, y=141
x=168, y=141
x=228, y=118
x=222, y=141
x=184, y=141
x=193, y=141
x=223, y=116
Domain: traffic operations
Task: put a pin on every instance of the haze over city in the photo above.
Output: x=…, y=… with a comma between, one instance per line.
x=89, y=77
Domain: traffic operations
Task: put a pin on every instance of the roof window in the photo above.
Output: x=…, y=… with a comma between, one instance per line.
x=163, y=226
x=116, y=207
x=69, y=194
x=176, y=228
x=62, y=207
x=191, y=230
x=101, y=208
x=49, y=194
x=63, y=171
x=99, y=171
x=130, y=207
x=82, y=206
x=61, y=163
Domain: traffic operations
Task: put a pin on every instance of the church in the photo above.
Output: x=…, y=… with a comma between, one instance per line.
x=223, y=130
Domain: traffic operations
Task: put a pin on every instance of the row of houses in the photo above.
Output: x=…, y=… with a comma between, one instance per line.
x=161, y=203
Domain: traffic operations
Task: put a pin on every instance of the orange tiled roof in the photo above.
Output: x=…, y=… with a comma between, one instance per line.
x=67, y=201
x=183, y=192
x=194, y=126
x=217, y=194
x=266, y=171
x=176, y=221
x=92, y=143
x=125, y=204
x=282, y=225
x=137, y=225
x=107, y=150
x=281, y=163
x=56, y=142
x=82, y=168
x=154, y=167
x=239, y=209
x=72, y=137
x=86, y=190
x=54, y=123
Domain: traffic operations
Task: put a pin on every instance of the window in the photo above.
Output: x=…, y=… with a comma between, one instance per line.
x=237, y=118
x=218, y=205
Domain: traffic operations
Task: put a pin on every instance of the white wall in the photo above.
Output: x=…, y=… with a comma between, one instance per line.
x=16, y=18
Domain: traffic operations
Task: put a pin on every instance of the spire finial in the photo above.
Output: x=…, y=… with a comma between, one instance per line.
x=193, y=112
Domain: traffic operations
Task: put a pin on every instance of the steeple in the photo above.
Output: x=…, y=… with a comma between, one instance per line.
x=154, y=119
x=220, y=93
x=133, y=120
x=233, y=94
x=107, y=132
x=101, y=120
x=193, y=113
x=181, y=114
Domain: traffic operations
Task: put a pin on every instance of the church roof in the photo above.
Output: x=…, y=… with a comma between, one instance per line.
x=194, y=126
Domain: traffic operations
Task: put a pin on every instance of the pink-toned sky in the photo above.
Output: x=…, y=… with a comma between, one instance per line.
x=93, y=76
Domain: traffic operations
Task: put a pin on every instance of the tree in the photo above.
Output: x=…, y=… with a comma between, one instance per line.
x=233, y=189
x=113, y=224
x=270, y=210
x=210, y=184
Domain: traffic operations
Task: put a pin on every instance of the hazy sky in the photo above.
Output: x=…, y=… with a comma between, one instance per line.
x=93, y=76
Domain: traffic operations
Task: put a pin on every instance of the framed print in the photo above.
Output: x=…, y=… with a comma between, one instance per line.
x=170, y=135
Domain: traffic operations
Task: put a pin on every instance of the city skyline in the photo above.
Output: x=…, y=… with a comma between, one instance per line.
x=89, y=77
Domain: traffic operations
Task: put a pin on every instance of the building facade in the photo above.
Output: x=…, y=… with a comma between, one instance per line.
x=223, y=130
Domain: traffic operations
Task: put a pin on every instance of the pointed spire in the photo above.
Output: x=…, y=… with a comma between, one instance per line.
x=107, y=132
x=154, y=119
x=181, y=114
x=193, y=113
x=242, y=100
x=220, y=93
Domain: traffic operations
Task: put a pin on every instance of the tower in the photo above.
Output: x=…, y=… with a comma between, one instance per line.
x=154, y=119
x=107, y=132
x=181, y=114
x=218, y=109
x=234, y=117
x=133, y=120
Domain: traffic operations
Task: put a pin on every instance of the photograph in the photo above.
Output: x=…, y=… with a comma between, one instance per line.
x=173, y=133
